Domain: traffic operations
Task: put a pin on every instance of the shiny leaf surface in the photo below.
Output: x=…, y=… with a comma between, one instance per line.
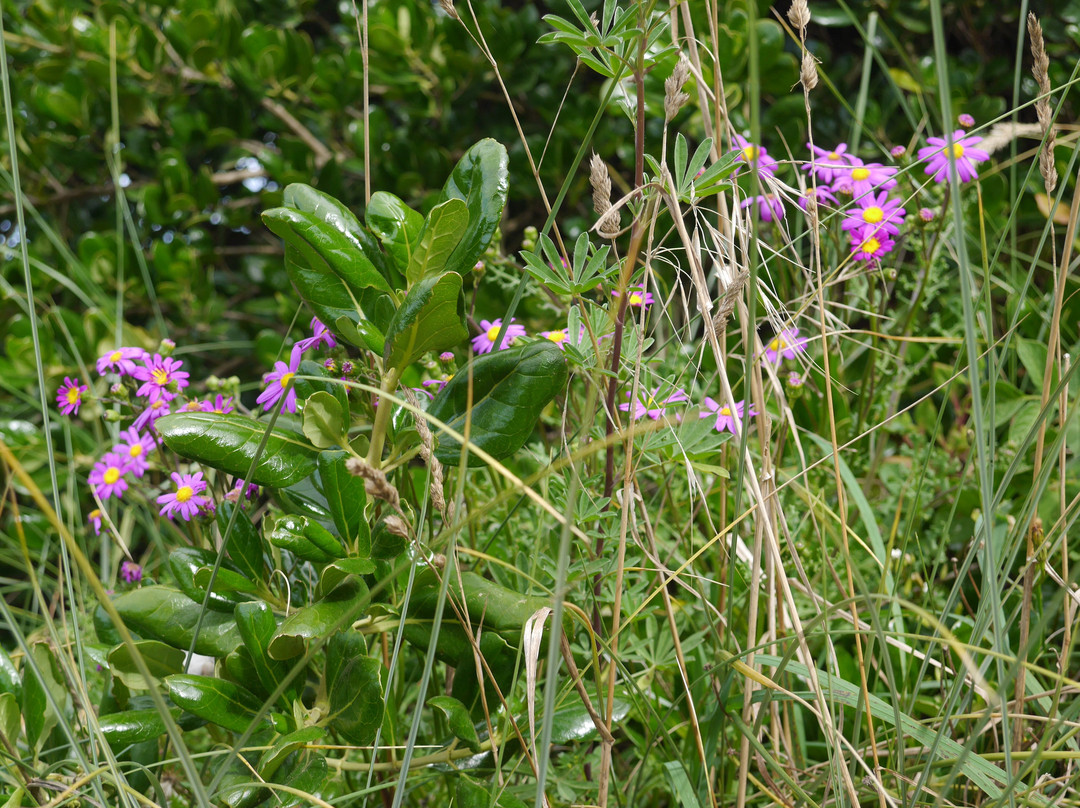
x=431, y=318
x=480, y=179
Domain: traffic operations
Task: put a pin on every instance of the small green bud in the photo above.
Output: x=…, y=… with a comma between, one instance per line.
x=113, y=416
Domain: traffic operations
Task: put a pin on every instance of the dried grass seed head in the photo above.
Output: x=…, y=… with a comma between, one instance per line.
x=674, y=97
x=1040, y=69
x=799, y=16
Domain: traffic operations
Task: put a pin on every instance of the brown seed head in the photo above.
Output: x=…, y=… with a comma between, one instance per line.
x=799, y=16
x=674, y=97
x=1040, y=69
x=448, y=7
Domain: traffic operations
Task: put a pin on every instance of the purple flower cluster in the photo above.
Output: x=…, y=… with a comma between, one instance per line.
x=653, y=406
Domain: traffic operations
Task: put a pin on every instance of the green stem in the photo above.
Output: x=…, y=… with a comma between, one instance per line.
x=382, y=418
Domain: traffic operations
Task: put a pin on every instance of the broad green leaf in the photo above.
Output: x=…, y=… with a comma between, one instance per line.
x=10, y=717
x=10, y=682
x=443, y=230
x=228, y=442
x=184, y=562
x=480, y=179
x=257, y=625
x=166, y=614
x=346, y=498
x=318, y=619
x=510, y=388
x=572, y=721
x=324, y=421
x=245, y=546
x=306, y=538
x=305, y=771
x=431, y=318
x=133, y=726
x=230, y=584
x=501, y=609
x=325, y=249
x=324, y=382
x=361, y=333
x=337, y=571
x=38, y=713
x=162, y=660
x=354, y=688
x=284, y=746
x=397, y=225
x=457, y=717
x=220, y=702
x=325, y=208
x=384, y=543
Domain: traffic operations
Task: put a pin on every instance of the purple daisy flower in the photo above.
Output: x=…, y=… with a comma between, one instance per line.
x=754, y=156
x=648, y=405
x=153, y=411
x=130, y=572
x=122, y=361
x=871, y=247
x=725, y=419
x=321, y=336
x=69, y=396
x=134, y=448
x=107, y=476
x=193, y=405
x=828, y=164
x=875, y=213
x=785, y=345
x=769, y=206
x=438, y=384
x=161, y=377
x=279, y=382
x=863, y=178
x=963, y=151
x=558, y=336
x=485, y=342
x=821, y=194
x=221, y=404
x=636, y=296
x=185, y=500
x=94, y=518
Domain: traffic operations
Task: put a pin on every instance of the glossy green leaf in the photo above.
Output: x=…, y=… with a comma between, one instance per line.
x=10, y=717
x=306, y=771
x=361, y=333
x=284, y=746
x=384, y=543
x=481, y=179
x=324, y=381
x=229, y=441
x=257, y=624
x=185, y=562
x=228, y=583
x=346, y=499
x=10, y=682
x=133, y=726
x=220, y=702
x=572, y=721
x=337, y=571
x=354, y=688
x=397, y=226
x=162, y=660
x=431, y=318
x=443, y=230
x=457, y=717
x=318, y=619
x=324, y=421
x=510, y=388
x=325, y=249
x=306, y=538
x=501, y=609
x=166, y=614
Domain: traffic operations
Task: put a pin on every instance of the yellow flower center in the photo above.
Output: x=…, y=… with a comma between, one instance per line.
x=957, y=151
x=859, y=174
x=286, y=378
x=751, y=153
x=185, y=493
x=73, y=395
x=160, y=377
x=493, y=333
x=116, y=356
x=651, y=403
x=112, y=474
x=873, y=214
x=135, y=450
x=833, y=156
x=636, y=299
x=192, y=406
x=157, y=405
x=725, y=410
x=777, y=344
x=870, y=246
x=94, y=514
x=557, y=336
